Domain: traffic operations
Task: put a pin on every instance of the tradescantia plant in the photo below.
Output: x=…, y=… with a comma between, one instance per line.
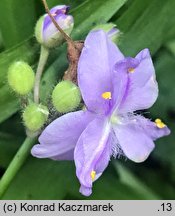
x=110, y=102
x=92, y=113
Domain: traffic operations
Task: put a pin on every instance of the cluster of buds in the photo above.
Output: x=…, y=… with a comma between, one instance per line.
x=21, y=80
x=66, y=96
x=21, y=77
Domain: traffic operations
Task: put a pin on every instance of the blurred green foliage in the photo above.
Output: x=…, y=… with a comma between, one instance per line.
x=149, y=24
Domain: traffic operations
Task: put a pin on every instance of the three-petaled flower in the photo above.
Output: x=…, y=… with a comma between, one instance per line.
x=112, y=87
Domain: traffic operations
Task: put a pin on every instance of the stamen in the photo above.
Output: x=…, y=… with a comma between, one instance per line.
x=106, y=95
x=159, y=123
x=131, y=70
x=93, y=174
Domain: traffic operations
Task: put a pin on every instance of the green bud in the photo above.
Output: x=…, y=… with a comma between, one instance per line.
x=111, y=30
x=38, y=28
x=34, y=116
x=21, y=77
x=66, y=96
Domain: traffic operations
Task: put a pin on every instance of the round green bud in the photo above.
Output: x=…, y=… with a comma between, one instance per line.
x=34, y=116
x=66, y=96
x=38, y=30
x=105, y=27
x=21, y=77
x=113, y=33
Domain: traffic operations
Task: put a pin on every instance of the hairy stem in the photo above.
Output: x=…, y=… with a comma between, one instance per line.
x=42, y=62
x=15, y=165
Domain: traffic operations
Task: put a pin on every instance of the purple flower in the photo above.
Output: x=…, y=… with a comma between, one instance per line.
x=113, y=87
x=46, y=32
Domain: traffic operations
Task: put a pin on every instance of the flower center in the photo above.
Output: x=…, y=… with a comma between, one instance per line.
x=159, y=123
x=93, y=174
x=114, y=119
x=131, y=70
x=106, y=95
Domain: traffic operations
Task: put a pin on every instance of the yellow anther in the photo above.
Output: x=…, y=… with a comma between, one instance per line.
x=131, y=70
x=106, y=95
x=93, y=174
x=159, y=123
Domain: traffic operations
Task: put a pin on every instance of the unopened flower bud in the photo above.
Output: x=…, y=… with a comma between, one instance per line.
x=111, y=30
x=34, y=116
x=21, y=77
x=45, y=31
x=66, y=96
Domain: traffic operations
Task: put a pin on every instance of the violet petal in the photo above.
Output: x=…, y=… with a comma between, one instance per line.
x=92, y=152
x=59, y=138
x=64, y=22
x=141, y=89
x=95, y=69
x=134, y=141
x=150, y=128
x=60, y=9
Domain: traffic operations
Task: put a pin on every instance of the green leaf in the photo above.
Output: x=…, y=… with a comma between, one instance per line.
x=70, y=3
x=1, y=43
x=113, y=189
x=11, y=136
x=130, y=15
x=156, y=178
x=51, y=180
x=91, y=13
x=134, y=182
x=9, y=103
x=8, y=146
x=171, y=46
x=17, y=20
x=57, y=180
x=142, y=33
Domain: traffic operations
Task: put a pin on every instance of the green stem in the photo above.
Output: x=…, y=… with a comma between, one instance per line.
x=15, y=165
x=42, y=62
